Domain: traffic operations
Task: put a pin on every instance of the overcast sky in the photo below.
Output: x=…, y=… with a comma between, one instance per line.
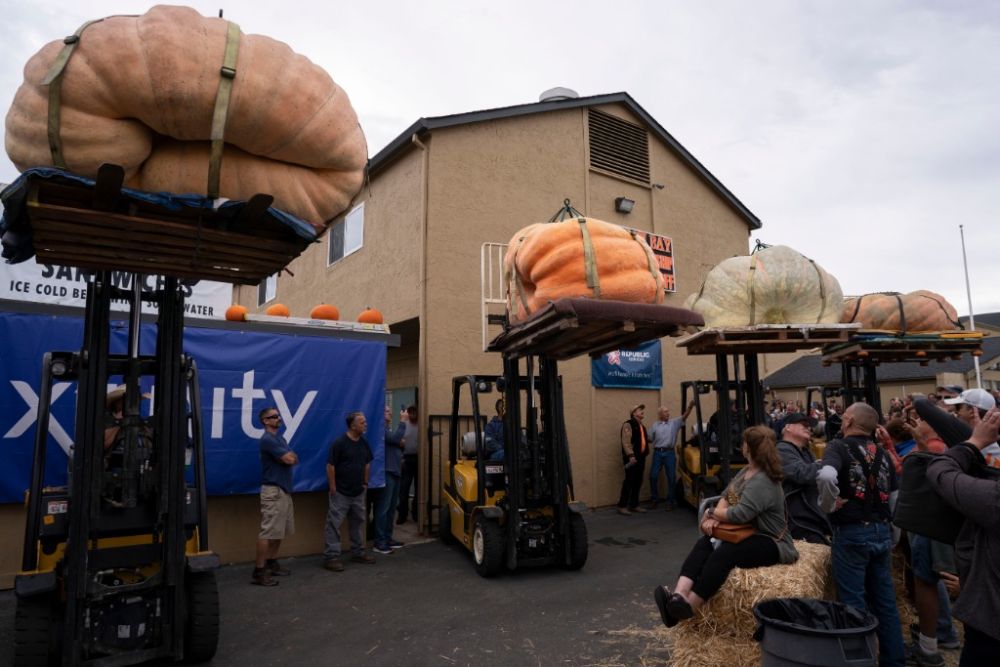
x=861, y=133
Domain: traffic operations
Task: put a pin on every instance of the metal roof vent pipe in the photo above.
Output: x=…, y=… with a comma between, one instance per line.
x=558, y=94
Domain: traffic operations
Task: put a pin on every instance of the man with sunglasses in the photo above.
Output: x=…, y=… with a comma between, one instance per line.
x=277, y=519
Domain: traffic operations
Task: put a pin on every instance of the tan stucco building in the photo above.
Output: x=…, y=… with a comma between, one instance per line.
x=412, y=244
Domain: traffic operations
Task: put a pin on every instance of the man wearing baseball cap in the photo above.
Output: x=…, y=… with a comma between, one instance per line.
x=635, y=447
x=972, y=405
x=800, y=467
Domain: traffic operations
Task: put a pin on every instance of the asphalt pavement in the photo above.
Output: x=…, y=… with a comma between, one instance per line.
x=425, y=605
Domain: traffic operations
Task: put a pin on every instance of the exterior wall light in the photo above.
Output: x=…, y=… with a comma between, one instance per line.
x=624, y=205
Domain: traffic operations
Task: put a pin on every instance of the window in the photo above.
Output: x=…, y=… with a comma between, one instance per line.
x=267, y=289
x=347, y=235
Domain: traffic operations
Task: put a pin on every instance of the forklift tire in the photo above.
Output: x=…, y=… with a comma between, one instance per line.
x=487, y=546
x=577, y=542
x=35, y=632
x=444, y=523
x=201, y=631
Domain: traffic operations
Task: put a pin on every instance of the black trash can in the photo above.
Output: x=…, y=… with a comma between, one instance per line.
x=818, y=633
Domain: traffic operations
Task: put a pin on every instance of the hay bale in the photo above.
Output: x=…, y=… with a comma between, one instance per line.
x=730, y=611
x=721, y=632
x=695, y=649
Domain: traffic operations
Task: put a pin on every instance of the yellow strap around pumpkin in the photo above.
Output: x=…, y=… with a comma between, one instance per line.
x=227, y=74
x=53, y=79
x=589, y=259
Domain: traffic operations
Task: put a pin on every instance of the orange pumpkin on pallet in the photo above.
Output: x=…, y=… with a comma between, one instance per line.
x=325, y=312
x=236, y=313
x=370, y=316
x=140, y=92
x=578, y=257
x=277, y=310
x=915, y=311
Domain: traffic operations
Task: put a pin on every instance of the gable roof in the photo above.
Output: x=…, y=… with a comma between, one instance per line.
x=985, y=319
x=809, y=371
x=402, y=143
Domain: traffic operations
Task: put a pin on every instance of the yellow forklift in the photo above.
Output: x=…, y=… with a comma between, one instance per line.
x=513, y=505
x=116, y=566
x=710, y=455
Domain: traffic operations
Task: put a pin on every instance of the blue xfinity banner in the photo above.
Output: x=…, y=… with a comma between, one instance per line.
x=313, y=381
x=636, y=368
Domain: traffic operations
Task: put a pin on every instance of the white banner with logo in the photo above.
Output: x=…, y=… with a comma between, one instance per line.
x=64, y=286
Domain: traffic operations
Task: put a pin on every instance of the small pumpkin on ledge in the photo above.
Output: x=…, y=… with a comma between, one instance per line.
x=370, y=316
x=325, y=311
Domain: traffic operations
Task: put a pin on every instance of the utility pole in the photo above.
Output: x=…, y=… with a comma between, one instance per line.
x=968, y=292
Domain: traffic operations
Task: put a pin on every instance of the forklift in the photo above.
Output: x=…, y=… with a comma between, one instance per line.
x=524, y=512
x=116, y=566
x=711, y=456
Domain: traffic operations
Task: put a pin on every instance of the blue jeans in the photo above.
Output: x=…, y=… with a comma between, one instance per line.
x=666, y=459
x=862, y=570
x=384, y=511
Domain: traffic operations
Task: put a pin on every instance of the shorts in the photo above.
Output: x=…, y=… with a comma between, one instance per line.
x=277, y=516
x=928, y=558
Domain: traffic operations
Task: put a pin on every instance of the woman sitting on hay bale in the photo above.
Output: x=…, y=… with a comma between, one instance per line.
x=753, y=497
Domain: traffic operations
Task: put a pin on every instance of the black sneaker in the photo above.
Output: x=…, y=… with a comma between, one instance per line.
x=917, y=656
x=382, y=549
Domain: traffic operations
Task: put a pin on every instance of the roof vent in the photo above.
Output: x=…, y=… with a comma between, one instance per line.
x=557, y=94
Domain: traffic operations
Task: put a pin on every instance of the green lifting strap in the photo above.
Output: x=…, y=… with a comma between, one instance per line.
x=54, y=81
x=222, y=97
x=518, y=285
x=589, y=259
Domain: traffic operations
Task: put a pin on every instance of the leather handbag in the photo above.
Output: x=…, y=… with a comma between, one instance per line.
x=734, y=533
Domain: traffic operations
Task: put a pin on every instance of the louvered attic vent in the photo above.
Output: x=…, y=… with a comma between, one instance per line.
x=618, y=146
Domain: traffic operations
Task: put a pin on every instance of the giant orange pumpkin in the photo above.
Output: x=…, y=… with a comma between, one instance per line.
x=277, y=310
x=915, y=311
x=141, y=92
x=325, y=312
x=578, y=257
x=370, y=316
x=236, y=313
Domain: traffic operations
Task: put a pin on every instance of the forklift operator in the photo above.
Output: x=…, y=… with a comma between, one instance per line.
x=114, y=415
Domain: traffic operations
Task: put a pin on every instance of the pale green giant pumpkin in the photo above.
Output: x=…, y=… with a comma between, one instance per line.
x=774, y=285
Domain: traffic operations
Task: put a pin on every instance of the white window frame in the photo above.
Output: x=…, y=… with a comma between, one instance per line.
x=267, y=286
x=354, y=234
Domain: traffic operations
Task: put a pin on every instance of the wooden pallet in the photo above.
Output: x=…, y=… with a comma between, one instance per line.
x=764, y=338
x=568, y=328
x=878, y=346
x=98, y=228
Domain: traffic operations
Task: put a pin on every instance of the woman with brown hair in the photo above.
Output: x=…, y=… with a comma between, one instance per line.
x=753, y=497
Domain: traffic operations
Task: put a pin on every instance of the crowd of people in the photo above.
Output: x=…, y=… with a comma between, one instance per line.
x=348, y=467
x=846, y=499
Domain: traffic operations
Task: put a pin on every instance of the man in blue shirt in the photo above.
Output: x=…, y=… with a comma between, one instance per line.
x=664, y=434
x=277, y=514
x=347, y=468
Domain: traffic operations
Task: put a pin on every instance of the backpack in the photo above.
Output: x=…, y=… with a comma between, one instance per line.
x=919, y=509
